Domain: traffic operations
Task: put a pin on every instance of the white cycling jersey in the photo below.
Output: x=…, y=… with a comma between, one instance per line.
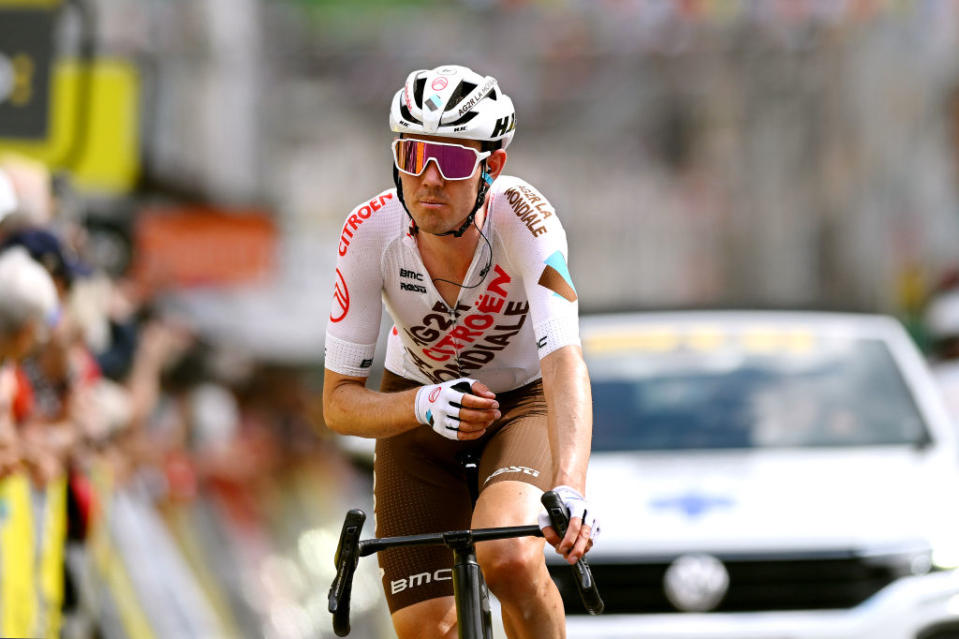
x=524, y=307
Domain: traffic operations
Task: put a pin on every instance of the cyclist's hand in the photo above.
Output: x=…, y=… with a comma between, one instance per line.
x=455, y=413
x=583, y=526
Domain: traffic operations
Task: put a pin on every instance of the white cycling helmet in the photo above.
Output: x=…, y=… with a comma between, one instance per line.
x=453, y=101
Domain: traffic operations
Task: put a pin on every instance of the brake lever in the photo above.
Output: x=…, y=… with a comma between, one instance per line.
x=583, y=576
x=346, y=558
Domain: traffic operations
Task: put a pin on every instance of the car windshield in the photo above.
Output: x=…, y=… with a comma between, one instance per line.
x=724, y=392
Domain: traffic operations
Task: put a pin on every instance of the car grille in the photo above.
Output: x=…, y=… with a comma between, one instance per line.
x=781, y=584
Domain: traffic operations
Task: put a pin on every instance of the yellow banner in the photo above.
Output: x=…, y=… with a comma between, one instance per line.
x=51, y=559
x=29, y=4
x=108, y=159
x=17, y=582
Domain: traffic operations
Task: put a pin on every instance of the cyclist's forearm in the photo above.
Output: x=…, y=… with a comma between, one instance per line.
x=569, y=401
x=349, y=408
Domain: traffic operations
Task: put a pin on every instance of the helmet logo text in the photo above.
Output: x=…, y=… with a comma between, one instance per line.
x=477, y=95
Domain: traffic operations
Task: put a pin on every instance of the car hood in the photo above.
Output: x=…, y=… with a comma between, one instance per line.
x=770, y=501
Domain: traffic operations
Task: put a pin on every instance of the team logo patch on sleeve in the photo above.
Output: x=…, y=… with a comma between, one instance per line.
x=556, y=277
x=341, y=299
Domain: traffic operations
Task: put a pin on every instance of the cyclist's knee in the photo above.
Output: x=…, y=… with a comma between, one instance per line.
x=430, y=618
x=511, y=564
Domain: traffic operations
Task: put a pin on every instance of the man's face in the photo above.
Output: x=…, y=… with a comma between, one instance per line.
x=438, y=205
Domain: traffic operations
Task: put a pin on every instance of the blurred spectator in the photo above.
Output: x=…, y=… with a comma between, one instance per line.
x=8, y=200
x=28, y=307
x=97, y=382
x=32, y=185
x=56, y=374
x=28, y=303
x=47, y=249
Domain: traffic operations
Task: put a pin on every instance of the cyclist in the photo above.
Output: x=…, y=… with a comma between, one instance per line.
x=471, y=265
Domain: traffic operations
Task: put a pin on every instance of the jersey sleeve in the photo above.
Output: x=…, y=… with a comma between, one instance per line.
x=535, y=243
x=356, y=305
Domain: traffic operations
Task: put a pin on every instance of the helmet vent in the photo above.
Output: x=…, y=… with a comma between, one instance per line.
x=418, y=87
x=407, y=115
x=463, y=120
x=461, y=92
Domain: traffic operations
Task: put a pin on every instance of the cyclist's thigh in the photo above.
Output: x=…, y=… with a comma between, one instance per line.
x=518, y=449
x=419, y=488
x=515, y=469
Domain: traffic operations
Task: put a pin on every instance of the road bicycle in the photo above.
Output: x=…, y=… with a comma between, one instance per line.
x=469, y=589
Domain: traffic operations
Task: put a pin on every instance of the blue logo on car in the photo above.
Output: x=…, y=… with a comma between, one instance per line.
x=692, y=504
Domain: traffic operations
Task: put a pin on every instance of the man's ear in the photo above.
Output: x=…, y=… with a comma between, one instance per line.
x=495, y=163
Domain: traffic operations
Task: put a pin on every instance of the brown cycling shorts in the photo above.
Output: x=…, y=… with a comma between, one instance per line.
x=420, y=486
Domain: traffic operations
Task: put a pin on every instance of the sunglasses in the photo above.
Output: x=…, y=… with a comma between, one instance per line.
x=454, y=161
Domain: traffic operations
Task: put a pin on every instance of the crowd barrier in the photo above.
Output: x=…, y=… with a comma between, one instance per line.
x=33, y=525
x=221, y=561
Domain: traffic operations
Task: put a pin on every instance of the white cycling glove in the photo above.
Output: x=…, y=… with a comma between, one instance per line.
x=576, y=504
x=438, y=406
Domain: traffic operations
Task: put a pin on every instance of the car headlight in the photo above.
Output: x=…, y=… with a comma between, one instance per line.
x=904, y=563
x=940, y=556
x=945, y=554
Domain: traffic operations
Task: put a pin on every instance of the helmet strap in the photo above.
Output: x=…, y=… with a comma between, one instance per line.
x=399, y=193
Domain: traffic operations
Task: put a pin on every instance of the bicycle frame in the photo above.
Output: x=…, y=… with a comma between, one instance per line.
x=468, y=581
x=467, y=576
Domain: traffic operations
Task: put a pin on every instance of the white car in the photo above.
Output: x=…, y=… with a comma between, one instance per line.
x=774, y=475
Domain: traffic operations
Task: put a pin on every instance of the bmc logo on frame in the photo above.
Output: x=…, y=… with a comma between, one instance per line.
x=423, y=578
